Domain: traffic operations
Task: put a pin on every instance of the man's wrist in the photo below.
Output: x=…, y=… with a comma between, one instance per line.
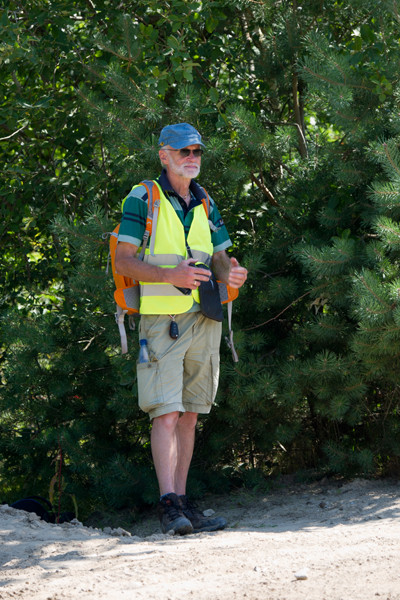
x=165, y=275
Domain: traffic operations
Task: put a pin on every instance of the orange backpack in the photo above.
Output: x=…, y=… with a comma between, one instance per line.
x=126, y=294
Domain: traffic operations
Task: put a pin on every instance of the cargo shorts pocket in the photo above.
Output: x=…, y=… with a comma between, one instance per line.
x=149, y=385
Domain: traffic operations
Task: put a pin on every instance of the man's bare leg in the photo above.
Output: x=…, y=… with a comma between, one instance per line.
x=185, y=435
x=164, y=448
x=172, y=443
x=166, y=443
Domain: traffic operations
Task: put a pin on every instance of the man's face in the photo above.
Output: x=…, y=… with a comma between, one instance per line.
x=184, y=166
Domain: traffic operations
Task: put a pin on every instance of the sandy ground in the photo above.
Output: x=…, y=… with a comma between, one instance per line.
x=325, y=541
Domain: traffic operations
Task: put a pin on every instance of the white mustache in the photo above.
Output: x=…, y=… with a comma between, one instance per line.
x=192, y=166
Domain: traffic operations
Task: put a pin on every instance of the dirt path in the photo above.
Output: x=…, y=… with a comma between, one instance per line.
x=314, y=542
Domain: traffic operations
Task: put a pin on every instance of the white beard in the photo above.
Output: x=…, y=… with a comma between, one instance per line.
x=188, y=170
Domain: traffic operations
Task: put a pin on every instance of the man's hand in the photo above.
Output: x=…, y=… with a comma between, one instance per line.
x=237, y=274
x=187, y=275
x=228, y=269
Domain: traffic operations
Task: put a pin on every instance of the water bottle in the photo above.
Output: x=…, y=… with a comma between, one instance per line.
x=143, y=352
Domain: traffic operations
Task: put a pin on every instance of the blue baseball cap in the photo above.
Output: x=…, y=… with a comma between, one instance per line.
x=179, y=136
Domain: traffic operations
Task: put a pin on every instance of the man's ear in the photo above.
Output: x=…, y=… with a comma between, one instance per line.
x=163, y=156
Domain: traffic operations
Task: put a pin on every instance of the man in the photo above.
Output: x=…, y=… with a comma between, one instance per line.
x=181, y=379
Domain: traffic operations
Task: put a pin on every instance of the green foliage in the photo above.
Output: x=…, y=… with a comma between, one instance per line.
x=61, y=391
x=298, y=107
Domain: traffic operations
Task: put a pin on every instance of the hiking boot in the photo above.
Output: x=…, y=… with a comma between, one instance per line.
x=198, y=520
x=171, y=517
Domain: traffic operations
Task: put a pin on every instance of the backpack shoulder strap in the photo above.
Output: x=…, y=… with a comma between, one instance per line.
x=202, y=195
x=205, y=200
x=153, y=194
x=153, y=205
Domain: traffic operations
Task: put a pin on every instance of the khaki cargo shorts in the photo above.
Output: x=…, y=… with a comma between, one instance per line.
x=182, y=374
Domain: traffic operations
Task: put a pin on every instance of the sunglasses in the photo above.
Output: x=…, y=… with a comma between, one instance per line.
x=185, y=152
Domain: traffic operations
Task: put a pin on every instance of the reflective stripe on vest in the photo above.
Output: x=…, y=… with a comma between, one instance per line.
x=168, y=250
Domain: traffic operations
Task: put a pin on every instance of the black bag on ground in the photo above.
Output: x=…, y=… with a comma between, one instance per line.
x=43, y=508
x=37, y=505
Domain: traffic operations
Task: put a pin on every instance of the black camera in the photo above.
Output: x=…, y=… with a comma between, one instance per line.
x=188, y=291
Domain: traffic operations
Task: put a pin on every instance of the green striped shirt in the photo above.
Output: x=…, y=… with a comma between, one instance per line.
x=133, y=223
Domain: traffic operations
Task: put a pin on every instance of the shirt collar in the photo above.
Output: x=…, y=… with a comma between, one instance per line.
x=166, y=185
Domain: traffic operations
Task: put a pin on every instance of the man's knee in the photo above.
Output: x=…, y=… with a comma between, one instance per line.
x=188, y=420
x=167, y=422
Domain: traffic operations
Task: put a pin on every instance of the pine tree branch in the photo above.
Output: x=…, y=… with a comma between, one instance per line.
x=141, y=19
x=14, y=133
x=287, y=169
x=17, y=82
x=127, y=59
x=296, y=104
x=208, y=83
x=278, y=315
x=288, y=124
x=123, y=90
x=261, y=185
x=387, y=306
x=390, y=159
x=119, y=121
x=391, y=230
x=396, y=11
x=297, y=116
x=245, y=32
x=344, y=84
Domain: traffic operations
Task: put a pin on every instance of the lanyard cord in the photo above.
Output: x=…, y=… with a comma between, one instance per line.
x=190, y=255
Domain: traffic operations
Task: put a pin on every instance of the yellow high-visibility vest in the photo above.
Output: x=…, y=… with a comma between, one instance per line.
x=167, y=249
